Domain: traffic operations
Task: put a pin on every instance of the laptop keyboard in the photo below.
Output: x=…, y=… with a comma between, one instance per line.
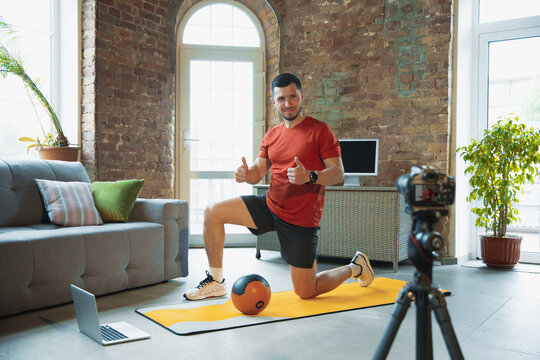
x=110, y=334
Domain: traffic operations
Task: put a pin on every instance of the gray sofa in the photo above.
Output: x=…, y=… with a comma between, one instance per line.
x=38, y=260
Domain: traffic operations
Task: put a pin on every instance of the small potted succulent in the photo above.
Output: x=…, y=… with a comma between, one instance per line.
x=50, y=147
x=504, y=160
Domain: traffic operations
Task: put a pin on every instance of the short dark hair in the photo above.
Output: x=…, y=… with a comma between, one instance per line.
x=284, y=80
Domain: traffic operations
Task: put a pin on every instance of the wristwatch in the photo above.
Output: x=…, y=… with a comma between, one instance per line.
x=313, y=177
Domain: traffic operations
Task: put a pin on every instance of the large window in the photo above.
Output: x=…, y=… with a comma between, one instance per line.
x=507, y=39
x=47, y=40
x=220, y=106
x=490, y=11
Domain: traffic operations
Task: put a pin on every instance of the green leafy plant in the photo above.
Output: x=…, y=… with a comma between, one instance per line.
x=500, y=164
x=48, y=141
x=12, y=63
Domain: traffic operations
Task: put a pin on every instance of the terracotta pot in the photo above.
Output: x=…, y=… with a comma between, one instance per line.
x=500, y=252
x=64, y=153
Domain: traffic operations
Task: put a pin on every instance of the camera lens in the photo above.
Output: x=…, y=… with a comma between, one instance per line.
x=429, y=176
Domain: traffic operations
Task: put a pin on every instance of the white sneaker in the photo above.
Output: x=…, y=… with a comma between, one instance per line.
x=366, y=275
x=207, y=288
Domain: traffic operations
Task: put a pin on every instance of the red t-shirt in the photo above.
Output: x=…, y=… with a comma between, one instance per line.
x=312, y=141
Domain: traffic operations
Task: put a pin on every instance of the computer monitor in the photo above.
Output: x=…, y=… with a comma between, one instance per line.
x=360, y=158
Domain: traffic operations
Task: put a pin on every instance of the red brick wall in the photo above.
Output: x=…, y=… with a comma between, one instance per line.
x=375, y=69
x=370, y=68
x=133, y=120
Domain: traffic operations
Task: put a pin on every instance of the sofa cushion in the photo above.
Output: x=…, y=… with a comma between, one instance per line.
x=19, y=197
x=37, y=264
x=69, y=203
x=115, y=199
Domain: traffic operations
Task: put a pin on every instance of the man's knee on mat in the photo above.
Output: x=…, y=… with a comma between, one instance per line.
x=304, y=281
x=305, y=293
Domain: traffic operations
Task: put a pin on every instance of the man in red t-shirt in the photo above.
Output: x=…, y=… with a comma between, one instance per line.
x=304, y=156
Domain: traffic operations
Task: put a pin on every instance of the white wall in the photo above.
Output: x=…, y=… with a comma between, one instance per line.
x=466, y=125
x=66, y=72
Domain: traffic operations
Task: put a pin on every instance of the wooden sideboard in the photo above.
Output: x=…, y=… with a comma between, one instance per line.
x=369, y=219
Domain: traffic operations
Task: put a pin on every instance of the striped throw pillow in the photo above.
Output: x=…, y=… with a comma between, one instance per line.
x=69, y=203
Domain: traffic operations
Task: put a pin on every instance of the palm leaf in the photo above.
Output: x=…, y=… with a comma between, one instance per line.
x=28, y=139
x=11, y=63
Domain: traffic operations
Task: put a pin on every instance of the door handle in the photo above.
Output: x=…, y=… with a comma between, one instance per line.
x=186, y=138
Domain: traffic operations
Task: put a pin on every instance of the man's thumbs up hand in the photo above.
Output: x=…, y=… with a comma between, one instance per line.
x=298, y=175
x=241, y=172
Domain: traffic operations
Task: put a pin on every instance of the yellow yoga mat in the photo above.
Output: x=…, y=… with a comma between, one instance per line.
x=192, y=317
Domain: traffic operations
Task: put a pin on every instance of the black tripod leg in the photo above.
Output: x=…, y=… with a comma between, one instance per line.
x=403, y=302
x=424, y=347
x=438, y=305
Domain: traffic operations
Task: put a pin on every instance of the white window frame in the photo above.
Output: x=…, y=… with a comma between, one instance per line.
x=487, y=33
x=490, y=32
x=471, y=98
x=64, y=85
x=187, y=52
x=66, y=66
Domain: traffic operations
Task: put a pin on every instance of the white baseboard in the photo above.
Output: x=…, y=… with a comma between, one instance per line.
x=464, y=258
x=232, y=240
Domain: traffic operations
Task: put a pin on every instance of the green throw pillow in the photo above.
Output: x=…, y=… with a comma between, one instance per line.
x=114, y=199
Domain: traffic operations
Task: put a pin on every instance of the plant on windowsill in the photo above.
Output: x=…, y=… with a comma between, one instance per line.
x=50, y=147
x=501, y=163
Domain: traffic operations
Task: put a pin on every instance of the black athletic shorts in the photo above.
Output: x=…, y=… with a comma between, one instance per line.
x=298, y=243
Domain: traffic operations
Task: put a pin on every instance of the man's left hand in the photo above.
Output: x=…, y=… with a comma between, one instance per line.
x=298, y=175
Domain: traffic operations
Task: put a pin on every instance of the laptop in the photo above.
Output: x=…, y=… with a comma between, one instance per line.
x=88, y=321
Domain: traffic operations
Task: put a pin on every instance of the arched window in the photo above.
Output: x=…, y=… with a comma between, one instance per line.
x=221, y=24
x=220, y=83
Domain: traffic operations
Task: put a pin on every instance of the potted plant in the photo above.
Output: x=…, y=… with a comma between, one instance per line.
x=500, y=164
x=50, y=147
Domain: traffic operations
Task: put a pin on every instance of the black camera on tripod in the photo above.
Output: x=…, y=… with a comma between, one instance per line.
x=427, y=195
x=426, y=189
